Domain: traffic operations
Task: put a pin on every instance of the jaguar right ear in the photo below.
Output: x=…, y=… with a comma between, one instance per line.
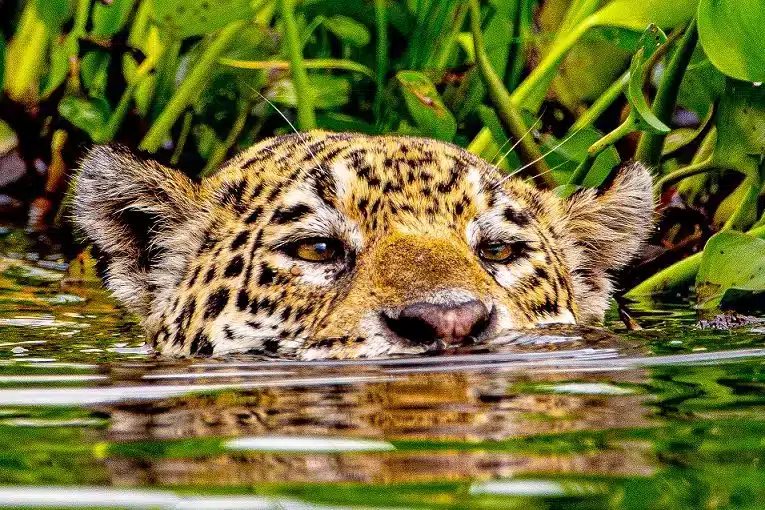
x=128, y=208
x=606, y=229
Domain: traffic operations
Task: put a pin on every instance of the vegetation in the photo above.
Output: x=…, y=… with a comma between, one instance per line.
x=558, y=91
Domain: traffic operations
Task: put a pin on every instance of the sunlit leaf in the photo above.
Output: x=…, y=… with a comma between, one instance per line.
x=425, y=105
x=639, y=14
x=731, y=34
x=732, y=268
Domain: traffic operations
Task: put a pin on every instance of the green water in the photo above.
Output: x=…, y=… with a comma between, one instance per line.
x=667, y=417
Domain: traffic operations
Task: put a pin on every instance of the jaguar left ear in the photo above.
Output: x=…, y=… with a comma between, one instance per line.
x=129, y=208
x=606, y=229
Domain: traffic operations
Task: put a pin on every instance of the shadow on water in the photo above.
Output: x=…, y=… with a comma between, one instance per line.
x=666, y=417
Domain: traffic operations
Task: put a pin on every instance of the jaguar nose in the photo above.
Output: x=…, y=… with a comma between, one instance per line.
x=425, y=322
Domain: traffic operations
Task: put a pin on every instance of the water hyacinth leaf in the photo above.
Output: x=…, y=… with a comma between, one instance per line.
x=732, y=267
x=740, y=124
x=702, y=85
x=425, y=105
x=348, y=30
x=186, y=19
x=652, y=38
x=637, y=15
x=90, y=115
x=110, y=17
x=731, y=34
x=54, y=13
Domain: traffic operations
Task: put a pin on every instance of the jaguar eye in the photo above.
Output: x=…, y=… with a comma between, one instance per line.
x=318, y=250
x=498, y=253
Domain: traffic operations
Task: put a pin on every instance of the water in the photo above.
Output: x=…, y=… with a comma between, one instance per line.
x=667, y=417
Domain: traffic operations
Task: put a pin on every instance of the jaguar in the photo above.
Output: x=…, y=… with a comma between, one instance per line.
x=341, y=245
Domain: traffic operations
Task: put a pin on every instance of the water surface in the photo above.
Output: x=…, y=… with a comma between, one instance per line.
x=666, y=417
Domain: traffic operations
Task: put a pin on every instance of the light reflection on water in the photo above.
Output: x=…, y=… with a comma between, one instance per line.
x=665, y=417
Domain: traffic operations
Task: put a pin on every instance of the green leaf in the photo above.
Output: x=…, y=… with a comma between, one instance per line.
x=186, y=19
x=639, y=14
x=425, y=105
x=54, y=13
x=732, y=268
x=109, y=18
x=90, y=115
x=731, y=34
x=702, y=85
x=94, y=70
x=652, y=38
x=348, y=30
x=333, y=121
x=740, y=124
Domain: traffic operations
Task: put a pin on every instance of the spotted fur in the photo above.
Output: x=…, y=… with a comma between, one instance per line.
x=206, y=265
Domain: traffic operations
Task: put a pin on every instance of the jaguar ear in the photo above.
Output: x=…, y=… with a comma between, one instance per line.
x=129, y=208
x=606, y=228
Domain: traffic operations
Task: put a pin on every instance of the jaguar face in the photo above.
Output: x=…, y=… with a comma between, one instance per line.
x=342, y=245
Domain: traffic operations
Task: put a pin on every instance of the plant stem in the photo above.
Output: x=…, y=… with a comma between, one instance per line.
x=109, y=130
x=651, y=144
x=625, y=128
x=306, y=117
x=520, y=43
x=677, y=274
x=317, y=63
x=221, y=151
x=581, y=171
x=602, y=103
x=688, y=171
x=509, y=114
x=190, y=88
x=182, y=138
x=381, y=22
x=440, y=60
x=481, y=141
